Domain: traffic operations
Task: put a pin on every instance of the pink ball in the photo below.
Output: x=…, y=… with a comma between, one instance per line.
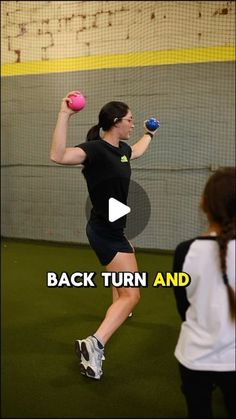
x=78, y=101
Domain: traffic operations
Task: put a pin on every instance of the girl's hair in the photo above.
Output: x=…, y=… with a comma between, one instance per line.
x=110, y=113
x=219, y=203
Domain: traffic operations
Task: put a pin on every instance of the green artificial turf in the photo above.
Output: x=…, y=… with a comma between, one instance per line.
x=40, y=372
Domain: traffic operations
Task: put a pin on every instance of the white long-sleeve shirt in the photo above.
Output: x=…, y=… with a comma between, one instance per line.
x=207, y=336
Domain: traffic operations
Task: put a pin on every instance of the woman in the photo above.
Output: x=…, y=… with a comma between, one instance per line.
x=206, y=344
x=106, y=160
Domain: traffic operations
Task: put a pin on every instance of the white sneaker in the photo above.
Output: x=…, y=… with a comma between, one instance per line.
x=91, y=357
x=130, y=314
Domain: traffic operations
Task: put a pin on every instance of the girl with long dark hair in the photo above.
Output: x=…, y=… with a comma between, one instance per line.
x=206, y=344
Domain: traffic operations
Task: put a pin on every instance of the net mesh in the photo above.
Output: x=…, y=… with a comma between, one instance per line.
x=194, y=102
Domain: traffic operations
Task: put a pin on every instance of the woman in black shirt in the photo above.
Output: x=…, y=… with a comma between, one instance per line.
x=106, y=167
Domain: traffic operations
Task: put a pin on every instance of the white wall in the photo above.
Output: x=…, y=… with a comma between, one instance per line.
x=42, y=30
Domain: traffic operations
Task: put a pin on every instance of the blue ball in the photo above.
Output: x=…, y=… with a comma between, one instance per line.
x=152, y=124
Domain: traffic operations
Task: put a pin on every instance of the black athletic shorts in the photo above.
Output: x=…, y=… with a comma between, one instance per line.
x=107, y=243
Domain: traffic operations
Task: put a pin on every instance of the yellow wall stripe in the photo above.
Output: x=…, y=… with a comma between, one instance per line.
x=134, y=59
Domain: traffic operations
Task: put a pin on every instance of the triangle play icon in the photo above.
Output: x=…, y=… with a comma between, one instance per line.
x=117, y=210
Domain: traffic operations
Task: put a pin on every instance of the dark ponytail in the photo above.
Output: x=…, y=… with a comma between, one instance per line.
x=219, y=203
x=93, y=133
x=109, y=115
x=226, y=234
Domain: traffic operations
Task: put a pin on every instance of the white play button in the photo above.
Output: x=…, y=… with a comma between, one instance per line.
x=117, y=210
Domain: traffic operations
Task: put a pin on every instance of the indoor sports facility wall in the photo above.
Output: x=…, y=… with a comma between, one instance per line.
x=173, y=60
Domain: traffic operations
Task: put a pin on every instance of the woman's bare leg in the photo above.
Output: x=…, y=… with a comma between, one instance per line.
x=124, y=300
x=115, y=297
x=115, y=294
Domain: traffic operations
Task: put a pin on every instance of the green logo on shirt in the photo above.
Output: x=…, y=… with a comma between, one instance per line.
x=124, y=159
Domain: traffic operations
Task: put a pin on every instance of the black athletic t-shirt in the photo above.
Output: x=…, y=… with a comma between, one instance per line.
x=107, y=172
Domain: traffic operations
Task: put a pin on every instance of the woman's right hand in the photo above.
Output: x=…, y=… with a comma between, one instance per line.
x=64, y=104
